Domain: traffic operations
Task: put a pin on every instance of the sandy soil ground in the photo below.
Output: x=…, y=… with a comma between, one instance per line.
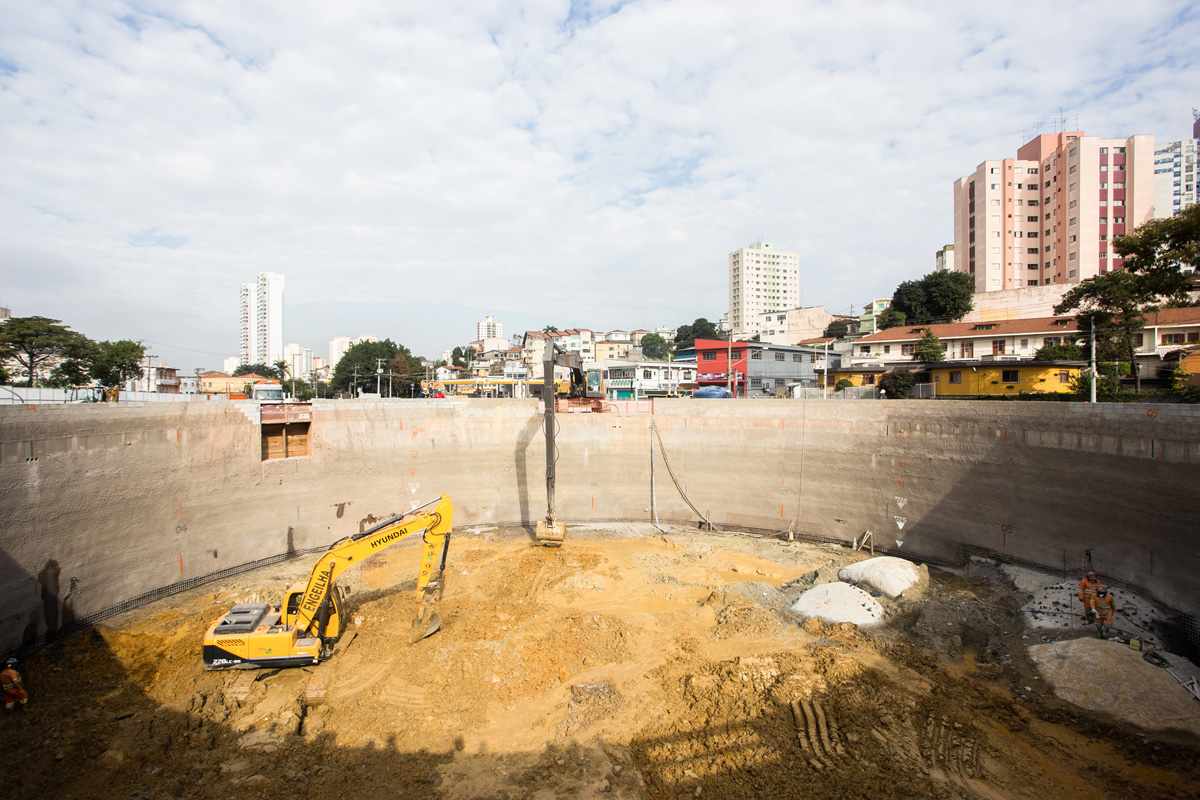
x=626, y=664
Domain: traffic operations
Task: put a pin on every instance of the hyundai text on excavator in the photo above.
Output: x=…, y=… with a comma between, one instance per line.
x=305, y=627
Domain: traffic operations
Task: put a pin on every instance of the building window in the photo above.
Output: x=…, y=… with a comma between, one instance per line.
x=997, y=347
x=956, y=376
x=798, y=358
x=710, y=355
x=1009, y=376
x=906, y=349
x=1024, y=344
x=755, y=354
x=887, y=348
x=968, y=349
x=1064, y=376
x=1173, y=338
x=868, y=380
x=864, y=350
x=780, y=356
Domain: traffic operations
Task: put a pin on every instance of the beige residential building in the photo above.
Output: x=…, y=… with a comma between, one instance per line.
x=761, y=279
x=943, y=259
x=1050, y=214
x=613, y=350
x=793, y=325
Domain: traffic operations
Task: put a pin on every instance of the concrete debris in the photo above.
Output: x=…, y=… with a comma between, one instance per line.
x=839, y=602
x=1112, y=678
x=884, y=574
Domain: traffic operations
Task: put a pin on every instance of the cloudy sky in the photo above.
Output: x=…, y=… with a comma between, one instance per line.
x=411, y=167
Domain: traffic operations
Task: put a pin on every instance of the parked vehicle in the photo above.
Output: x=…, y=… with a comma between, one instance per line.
x=712, y=393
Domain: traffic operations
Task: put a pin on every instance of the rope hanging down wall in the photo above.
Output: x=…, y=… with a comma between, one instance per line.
x=667, y=463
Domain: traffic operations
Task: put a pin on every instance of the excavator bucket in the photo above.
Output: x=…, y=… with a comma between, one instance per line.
x=428, y=621
x=550, y=534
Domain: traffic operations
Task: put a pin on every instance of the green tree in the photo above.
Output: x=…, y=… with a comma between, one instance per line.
x=1163, y=253
x=938, y=297
x=4, y=376
x=265, y=370
x=843, y=383
x=929, y=349
x=838, y=329
x=701, y=328
x=280, y=369
x=33, y=341
x=948, y=295
x=910, y=300
x=458, y=357
x=1160, y=258
x=1059, y=352
x=550, y=329
x=117, y=362
x=75, y=368
x=655, y=347
x=1112, y=304
x=891, y=318
x=357, y=369
x=897, y=384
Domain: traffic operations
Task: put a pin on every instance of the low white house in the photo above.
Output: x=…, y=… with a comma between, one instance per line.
x=635, y=380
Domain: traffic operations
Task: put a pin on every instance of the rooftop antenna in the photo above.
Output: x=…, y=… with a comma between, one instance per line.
x=1062, y=120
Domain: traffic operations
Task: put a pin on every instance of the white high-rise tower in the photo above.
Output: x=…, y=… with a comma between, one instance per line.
x=262, y=319
x=761, y=279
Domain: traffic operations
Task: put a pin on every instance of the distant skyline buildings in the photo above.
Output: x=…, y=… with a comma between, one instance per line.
x=262, y=319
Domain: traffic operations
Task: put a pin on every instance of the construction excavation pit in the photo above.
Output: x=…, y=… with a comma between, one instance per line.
x=876, y=608
x=628, y=663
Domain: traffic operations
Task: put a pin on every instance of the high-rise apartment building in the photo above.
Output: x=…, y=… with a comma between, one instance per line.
x=1050, y=214
x=1177, y=173
x=489, y=328
x=262, y=319
x=761, y=279
x=943, y=259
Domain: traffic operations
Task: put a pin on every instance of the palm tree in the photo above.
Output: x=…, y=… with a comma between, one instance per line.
x=281, y=369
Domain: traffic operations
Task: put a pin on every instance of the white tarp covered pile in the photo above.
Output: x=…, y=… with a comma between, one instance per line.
x=885, y=574
x=839, y=602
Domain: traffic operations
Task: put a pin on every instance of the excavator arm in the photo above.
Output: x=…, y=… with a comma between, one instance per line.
x=432, y=520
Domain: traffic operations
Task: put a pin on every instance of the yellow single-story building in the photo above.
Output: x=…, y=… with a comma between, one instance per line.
x=983, y=379
x=858, y=376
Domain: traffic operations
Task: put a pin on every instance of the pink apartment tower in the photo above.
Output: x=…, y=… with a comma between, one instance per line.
x=1049, y=215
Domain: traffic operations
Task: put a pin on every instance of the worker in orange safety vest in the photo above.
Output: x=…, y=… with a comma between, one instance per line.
x=1088, y=587
x=1106, y=611
x=10, y=683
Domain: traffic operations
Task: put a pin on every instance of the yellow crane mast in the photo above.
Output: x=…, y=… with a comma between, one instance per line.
x=306, y=625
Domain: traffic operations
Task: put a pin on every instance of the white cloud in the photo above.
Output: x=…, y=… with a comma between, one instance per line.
x=411, y=169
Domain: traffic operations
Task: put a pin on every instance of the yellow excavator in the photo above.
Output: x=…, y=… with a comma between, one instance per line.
x=305, y=627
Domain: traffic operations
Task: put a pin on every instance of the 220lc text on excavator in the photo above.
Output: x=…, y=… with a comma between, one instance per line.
x=305, y=627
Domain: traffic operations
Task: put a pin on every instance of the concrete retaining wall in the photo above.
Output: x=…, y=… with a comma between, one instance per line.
x=99, y=504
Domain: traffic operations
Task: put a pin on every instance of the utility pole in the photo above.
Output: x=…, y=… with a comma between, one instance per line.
x=1092, y=340
x=549, y=532
x=354, y=386
x=825, y=376
x=379, y=377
